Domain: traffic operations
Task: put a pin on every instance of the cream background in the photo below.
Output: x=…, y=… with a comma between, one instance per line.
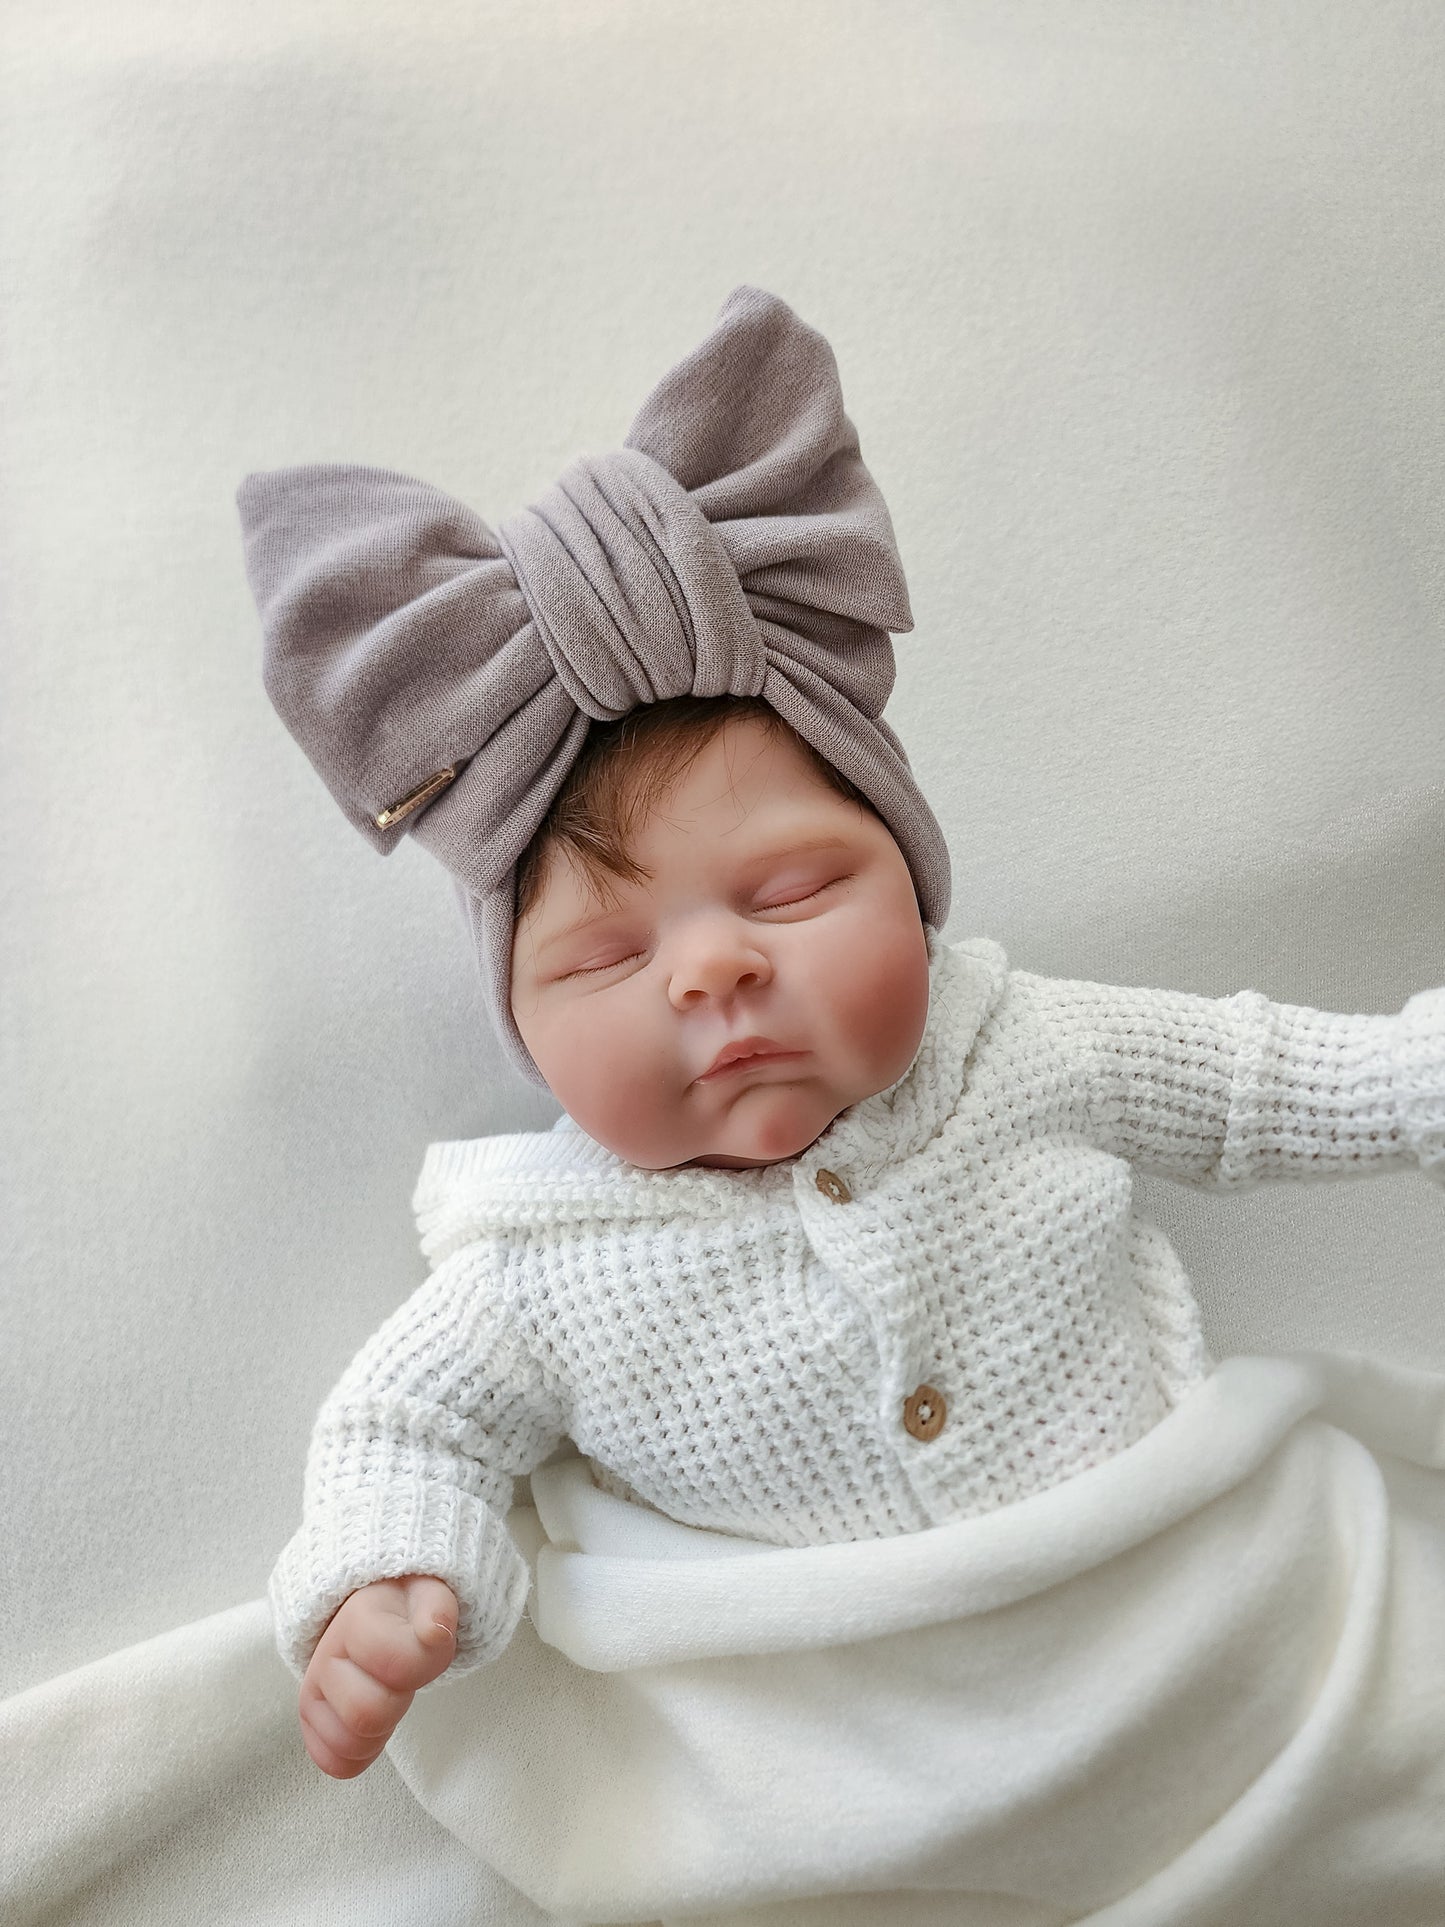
x=1138, y=310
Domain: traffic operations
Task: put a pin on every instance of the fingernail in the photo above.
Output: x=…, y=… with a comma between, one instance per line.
x=444, y=1627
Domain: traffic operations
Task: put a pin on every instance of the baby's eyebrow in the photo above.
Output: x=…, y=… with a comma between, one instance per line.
x=584, y=922
x=796, y=846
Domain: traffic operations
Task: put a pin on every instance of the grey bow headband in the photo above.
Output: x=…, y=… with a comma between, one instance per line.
x=442, y=676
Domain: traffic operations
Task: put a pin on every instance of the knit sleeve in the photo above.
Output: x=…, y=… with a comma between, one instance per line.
x=411, y=1464
x=1224, y=1093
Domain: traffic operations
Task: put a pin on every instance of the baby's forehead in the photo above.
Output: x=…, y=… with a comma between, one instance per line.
x=758, y=839
x=645, y=816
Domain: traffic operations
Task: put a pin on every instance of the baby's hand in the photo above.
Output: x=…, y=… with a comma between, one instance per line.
x=383, y=1642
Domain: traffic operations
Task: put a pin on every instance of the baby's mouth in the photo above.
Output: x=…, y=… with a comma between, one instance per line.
x=746, y=1054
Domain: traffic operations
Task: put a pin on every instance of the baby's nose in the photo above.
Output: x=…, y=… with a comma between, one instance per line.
x=717, y=969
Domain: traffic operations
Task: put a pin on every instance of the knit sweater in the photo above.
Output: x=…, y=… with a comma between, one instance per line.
x=947, y=1302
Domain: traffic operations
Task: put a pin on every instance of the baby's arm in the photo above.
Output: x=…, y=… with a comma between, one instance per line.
x=1227, y=1092
x=409, y=1479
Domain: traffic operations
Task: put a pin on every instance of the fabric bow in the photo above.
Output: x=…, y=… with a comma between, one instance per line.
x=441, y=676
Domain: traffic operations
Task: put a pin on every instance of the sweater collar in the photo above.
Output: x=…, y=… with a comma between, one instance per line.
x=473, y=1185
x=965, y=981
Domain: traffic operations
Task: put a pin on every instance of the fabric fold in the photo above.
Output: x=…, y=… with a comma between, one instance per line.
x=111, y=1754
x=1200, y=1684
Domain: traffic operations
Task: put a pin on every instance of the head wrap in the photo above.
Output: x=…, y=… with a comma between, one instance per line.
x=442, y=676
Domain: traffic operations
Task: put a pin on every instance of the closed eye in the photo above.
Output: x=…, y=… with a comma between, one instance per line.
x=591, y=970
x=788, y=902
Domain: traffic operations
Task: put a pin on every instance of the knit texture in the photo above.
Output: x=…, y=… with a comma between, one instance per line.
x=736, y=1348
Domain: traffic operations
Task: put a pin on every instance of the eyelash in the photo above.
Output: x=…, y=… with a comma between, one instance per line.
x=788, y=902
x=594, y=970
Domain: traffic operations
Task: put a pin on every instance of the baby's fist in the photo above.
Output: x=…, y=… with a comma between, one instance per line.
x=382, y=1644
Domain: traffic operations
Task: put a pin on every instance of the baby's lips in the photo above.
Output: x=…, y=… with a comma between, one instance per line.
x=744, y=1050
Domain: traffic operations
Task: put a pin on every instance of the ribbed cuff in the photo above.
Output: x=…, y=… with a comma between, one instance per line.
x=388, y=1533
x=1420, y=1079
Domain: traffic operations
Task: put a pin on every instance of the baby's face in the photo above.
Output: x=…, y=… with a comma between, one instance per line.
x=776, y=910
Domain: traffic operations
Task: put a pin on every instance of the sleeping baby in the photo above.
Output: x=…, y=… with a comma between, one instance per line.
x=835, y=1240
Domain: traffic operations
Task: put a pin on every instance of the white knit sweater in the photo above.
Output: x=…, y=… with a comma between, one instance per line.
x=738, y=1348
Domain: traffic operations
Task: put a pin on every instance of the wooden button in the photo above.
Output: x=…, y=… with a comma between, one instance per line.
x=924, y=1412
x=832, y=1186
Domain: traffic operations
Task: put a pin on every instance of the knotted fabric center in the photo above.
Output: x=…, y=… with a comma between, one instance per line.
x=631, y=589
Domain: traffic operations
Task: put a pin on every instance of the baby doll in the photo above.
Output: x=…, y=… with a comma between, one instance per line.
x=767, y=968
x=835, y=1239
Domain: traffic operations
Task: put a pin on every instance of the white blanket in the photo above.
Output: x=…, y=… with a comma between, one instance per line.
x=1202, y=1683
x=166, y=1785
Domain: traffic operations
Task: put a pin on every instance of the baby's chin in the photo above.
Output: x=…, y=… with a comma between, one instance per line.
x=764, y=1136
x=734, y=1150
x=765, y=1125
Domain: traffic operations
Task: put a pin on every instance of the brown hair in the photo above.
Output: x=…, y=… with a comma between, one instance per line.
x=624, y=768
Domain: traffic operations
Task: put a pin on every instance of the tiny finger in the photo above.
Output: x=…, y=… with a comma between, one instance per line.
x=385, y=1647
x=331, y=1763
x=365, y=1704
x=347, y=1744
x=433, y=1608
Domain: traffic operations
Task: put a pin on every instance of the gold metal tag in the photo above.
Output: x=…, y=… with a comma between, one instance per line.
x=413, y=800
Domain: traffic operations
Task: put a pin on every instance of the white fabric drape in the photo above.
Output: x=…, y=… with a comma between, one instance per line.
x=1203, y=1683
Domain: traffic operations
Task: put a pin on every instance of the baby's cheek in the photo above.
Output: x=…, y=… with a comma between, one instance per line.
x=882, y=1001
x=608, y=1077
